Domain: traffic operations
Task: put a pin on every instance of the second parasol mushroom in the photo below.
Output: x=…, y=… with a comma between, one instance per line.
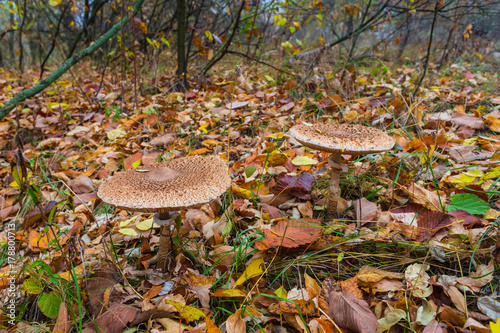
x=340, y=139
x=165, y=188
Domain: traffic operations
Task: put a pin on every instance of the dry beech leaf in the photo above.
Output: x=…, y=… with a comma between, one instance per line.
x=306, y=308
x=365, y=210
x=458, y=298
x=64, y=324
x=351, y=286
x=312, y=286
x=433, y=327
x=424, y=197
x=352, y=313
x=482, y=276
x=370, y=274
x=290, y=234
x=235, y=324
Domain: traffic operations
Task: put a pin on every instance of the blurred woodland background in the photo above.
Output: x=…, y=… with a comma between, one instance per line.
x=191, y=36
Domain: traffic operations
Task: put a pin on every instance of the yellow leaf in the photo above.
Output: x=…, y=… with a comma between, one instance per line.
x=253, y=270
x=116, y=134
x=493, y=174
x=495, y=327
x=128, y=232
x=469, y=142
x=229, y=293
x=203, y=128
x=281, y=292
x=55, y=3
x=126, y=222
x=241, y=192
x=209, y=35
x=492, y=214
x=146, y=225
x=278, y=135
x=64, y=83
x=461, y=179
x=276, y=158
x=68, y=276
x=304, y=160
x=187, y=312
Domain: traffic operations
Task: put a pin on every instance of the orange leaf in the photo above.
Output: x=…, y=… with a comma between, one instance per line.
x=290, y=233
x=200, y=151
x=211, y=327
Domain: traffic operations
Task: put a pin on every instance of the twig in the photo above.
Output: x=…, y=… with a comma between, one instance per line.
x=262, y=62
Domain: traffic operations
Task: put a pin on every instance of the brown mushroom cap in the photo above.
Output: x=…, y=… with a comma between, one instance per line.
x=342, y=138
x=167, y=186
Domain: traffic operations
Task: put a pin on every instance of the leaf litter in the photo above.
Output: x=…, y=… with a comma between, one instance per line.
x=414, y=243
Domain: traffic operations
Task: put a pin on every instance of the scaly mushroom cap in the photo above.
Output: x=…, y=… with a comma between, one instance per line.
x=167, y=186
x=342, y=138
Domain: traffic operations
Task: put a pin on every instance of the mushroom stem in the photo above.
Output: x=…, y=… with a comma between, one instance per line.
x=166, y=221
x=165, y=247
x=335, y=162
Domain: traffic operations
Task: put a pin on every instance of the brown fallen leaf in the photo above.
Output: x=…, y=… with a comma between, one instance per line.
x=306, y=308
x=82, y=184
x=290, y=234
x=64, y=323
x=433, y=327
x=235, y=324
x=347, y=311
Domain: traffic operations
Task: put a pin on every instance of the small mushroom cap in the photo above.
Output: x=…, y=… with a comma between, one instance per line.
x=342, y=138
x=167, y=186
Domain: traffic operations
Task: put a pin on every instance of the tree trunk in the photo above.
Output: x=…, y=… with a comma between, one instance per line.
x=181, y=43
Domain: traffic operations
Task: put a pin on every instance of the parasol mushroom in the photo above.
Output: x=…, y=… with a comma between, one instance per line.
x=340, y=139
x=165, y=189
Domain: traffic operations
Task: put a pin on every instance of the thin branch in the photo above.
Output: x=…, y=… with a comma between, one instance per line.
x=426, y=65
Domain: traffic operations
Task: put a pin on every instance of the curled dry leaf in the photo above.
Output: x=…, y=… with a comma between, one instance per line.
x=347, y=311
x=390, y=319
x=235, y=324
x=482, y=276
x=418, y=280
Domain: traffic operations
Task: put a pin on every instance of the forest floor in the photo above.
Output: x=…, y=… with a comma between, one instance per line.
x=414, y=246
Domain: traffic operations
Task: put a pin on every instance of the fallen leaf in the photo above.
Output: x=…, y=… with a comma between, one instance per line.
x=290, y=234
x=235, y=323
x=352, y=313
x=253, y=270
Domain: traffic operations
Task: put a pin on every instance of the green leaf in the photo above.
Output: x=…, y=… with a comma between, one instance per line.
x=49, y=304
x=304, y=160
x=250, y=170
x=32, y=286
x=165, y=42
x=468, y=202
